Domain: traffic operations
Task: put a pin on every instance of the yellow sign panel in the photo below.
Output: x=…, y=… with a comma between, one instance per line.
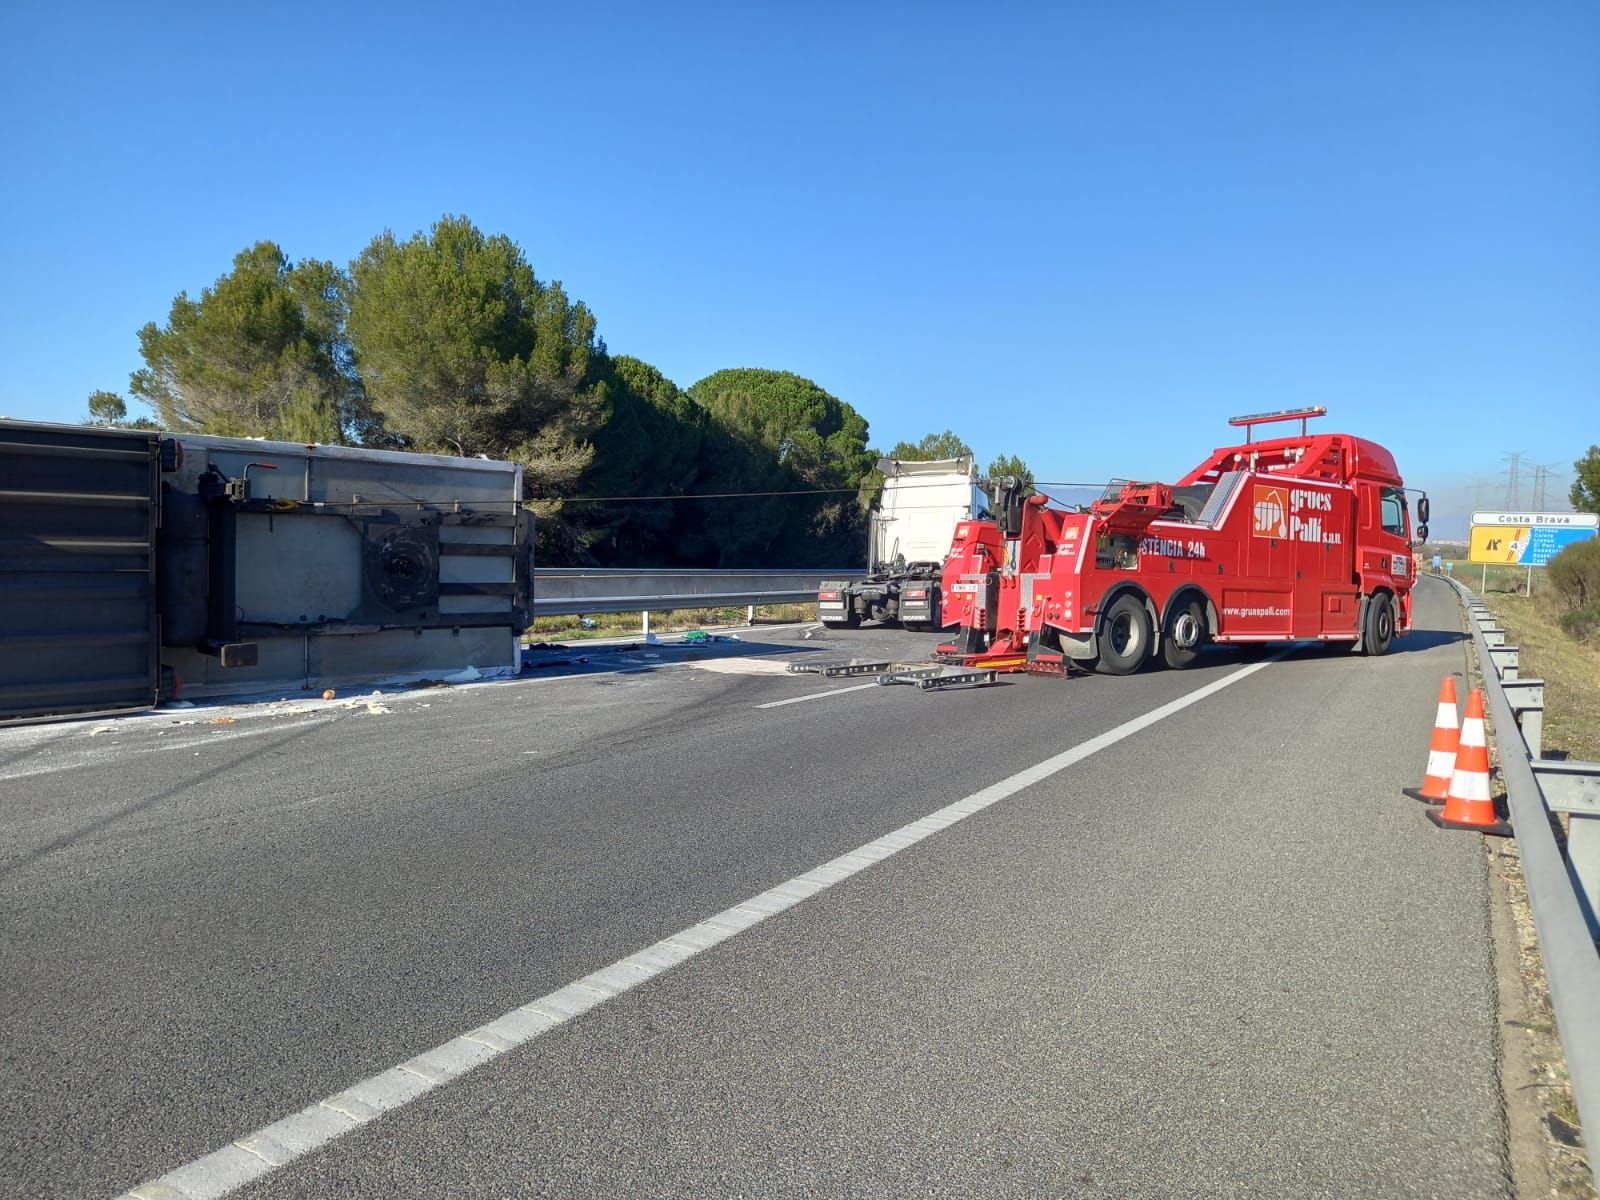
x=1499, y=543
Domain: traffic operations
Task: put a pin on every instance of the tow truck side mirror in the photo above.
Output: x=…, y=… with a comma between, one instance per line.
x=1422, y=512
x=1422, y=533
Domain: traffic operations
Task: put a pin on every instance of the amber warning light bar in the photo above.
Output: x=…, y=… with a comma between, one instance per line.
x=1287, y=414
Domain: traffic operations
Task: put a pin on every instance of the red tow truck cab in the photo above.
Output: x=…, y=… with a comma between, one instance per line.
x=1306, y=537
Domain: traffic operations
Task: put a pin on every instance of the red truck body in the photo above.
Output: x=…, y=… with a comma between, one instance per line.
x=1294, y=538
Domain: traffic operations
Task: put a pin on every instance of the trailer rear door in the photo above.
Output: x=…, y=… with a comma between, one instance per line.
x=78, y=514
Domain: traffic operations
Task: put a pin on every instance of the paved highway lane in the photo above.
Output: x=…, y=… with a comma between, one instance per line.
x=1218, y=955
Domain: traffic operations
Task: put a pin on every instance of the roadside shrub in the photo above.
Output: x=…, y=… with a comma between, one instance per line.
x=1583, y=623
x=1575, y=575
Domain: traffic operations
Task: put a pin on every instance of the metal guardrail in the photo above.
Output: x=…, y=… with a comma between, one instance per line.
x=561, y=591
x=1564, y=893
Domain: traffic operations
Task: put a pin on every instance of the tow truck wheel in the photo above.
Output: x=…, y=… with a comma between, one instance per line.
x=1124, y=641
x=1184, y=635
x=1375, y=638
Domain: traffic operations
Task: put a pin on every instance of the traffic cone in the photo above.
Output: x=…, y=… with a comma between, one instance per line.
x=1441, y=749
x=1468, y=804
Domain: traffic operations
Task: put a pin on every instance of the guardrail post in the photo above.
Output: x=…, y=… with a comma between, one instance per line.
x=1526, y=697
x=1573, y=787
x=1493, y=637
x=1505, y=661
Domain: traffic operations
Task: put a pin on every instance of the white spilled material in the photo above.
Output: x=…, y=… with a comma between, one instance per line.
x=265, y=1150
x=741, y=666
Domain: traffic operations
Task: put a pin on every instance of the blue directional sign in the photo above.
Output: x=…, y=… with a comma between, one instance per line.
x=1545, y=544
x=1527, y=539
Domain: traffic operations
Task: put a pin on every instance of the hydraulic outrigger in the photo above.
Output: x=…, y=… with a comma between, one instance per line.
x=927, y=677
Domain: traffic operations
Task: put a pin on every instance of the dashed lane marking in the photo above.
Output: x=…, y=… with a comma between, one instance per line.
x=860, y=687
x=266, y=1150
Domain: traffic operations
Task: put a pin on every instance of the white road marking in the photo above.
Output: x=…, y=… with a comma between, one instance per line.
x=259, y=1153
x=860, y=687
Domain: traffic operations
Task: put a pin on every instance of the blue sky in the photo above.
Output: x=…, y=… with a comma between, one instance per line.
x=1083, y=233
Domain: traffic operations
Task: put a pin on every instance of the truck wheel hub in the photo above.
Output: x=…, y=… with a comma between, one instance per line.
x=1186, y=631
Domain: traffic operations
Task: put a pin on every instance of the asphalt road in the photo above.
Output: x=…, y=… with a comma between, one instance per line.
x=1218, y=956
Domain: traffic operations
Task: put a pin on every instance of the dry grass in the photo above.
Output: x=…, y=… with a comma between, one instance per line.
x=605, y=625
x=1570, y=668
x=1549, y=1093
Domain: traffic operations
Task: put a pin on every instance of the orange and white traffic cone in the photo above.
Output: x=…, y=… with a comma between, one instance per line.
x=1441, y=749
x=1468, y=804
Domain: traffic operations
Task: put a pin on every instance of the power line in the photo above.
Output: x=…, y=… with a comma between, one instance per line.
x=760, y=495
x=694, y=496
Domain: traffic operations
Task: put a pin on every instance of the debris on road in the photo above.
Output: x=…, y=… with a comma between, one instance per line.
x=740, y=666
x=924, y=676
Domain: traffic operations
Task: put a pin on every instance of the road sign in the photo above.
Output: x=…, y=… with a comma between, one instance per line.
x=1524, y=545
x=1549, y=520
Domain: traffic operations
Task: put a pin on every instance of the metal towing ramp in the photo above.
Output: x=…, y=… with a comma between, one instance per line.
x=925, y=676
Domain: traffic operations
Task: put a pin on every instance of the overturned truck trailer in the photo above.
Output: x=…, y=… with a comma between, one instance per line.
x=137, y=566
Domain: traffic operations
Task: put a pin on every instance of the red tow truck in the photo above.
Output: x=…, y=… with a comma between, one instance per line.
x=1306, y=537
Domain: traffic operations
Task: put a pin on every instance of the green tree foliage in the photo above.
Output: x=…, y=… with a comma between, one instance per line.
x=262, y=352
x=650, y=445
x=775, y=431
x=465, y=351
x=756, y=432
x=1010, y=464
x=1585, y=492
x=448, y=342
x=812, y=433
x=109, y=410
x=106, y=408
x=932, y=446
